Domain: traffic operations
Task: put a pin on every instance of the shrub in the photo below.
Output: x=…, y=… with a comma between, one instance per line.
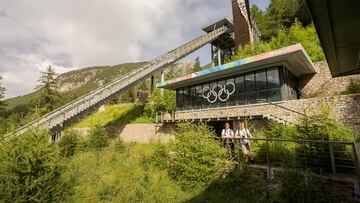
x=98, y=137
x=298, y=186
x=353, y=87
x=196, y=158
x=30, y=169
x=68, y=143
x=161, y=101
x=237, y=186
x=118, y=145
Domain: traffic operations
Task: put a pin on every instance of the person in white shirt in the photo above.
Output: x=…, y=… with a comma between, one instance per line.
x=227, y=133
x=244, y=134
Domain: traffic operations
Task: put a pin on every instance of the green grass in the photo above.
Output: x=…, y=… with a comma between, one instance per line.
x=116, y=114
x=20, y=100
x=112, y=176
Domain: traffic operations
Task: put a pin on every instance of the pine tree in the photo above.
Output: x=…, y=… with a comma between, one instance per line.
x=48, y=96
x=30, y=169
x=197, y=66
x=2, y=95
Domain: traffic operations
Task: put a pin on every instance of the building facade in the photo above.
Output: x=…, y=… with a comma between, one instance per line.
x=279, y=85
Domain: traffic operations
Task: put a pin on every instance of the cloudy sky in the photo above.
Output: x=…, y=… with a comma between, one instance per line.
x=70, y=34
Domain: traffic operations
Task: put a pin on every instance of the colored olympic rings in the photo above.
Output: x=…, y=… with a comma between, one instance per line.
x=223, y=93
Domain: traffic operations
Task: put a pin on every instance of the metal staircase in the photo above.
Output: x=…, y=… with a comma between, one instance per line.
x=56, y=120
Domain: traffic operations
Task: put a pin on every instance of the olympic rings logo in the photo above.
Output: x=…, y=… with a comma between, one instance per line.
x=223, y=93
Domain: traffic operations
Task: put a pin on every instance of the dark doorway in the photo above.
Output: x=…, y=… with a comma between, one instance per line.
x=217, y=126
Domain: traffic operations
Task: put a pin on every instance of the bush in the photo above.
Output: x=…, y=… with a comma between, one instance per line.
x=30, y=169
x=98, y=137
x=68, y=143
x=353, y=87
x=237, y=186
x=196, y=158
x=118, y=145
x=298, y=186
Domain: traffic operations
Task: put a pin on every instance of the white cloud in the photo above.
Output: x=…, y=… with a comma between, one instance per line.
x=69, y=34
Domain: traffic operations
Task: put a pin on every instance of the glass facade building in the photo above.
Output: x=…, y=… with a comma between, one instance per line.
x=267, y=85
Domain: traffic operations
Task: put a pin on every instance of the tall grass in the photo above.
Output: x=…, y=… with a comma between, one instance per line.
x=116, y=114
x=110, y=175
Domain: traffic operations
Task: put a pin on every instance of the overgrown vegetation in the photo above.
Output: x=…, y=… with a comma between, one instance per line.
x=196, y=158
x=353, y=87
x=192, y=168
x=280, y=14
x=117, y=114
x=161, y=100
x=306, y=36
x=30, y=169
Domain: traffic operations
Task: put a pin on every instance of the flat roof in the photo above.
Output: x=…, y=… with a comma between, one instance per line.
x=218, y=24
x=226, y=40
x=293, y=57
x=338, y=26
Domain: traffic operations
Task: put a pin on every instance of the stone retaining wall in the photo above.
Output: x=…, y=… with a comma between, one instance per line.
x=141, y=133
x=322, y=83
x=346, y=109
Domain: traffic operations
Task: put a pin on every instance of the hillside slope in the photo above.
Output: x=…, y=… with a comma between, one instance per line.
x=79, y=82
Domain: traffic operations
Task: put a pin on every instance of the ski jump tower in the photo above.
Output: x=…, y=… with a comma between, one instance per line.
x=223, y=36
x=242, y=31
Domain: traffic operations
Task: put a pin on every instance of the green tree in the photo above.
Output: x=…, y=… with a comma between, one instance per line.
x=2, y=95
x=48, y=97
x=306, y=36
x=30, y=169
x=196, y=158
x=68, y=143
x=160, y=101
x=197, y=65
x=280, y=14
x=98, y=138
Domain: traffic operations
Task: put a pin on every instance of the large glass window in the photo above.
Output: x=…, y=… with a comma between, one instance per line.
x=254, y=87
x=240, y=89
x=186, y=98
x=231, y=88
x=222, y=93
x=212, y=94
x=261, y=87
x=179, y=96
x=198, y=96
x=192, y=97
x=250, y=86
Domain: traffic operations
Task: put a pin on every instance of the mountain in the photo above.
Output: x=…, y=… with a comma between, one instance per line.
x=79, y=82
x=74, y=84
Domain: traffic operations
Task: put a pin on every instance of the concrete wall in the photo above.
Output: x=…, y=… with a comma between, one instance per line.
x=141, y=133
x=322, y=83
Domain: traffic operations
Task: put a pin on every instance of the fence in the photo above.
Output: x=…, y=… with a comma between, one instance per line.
x=330, y=158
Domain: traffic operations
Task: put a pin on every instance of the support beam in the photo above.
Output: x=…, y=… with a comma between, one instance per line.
x=212, y=56
x=162, y=79
x=152, y=85
x=219, y=55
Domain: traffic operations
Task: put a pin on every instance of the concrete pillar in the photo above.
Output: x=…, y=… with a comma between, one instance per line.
x=162, y=79
x=219, y=55
x=212, y=56
x=152, y=85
